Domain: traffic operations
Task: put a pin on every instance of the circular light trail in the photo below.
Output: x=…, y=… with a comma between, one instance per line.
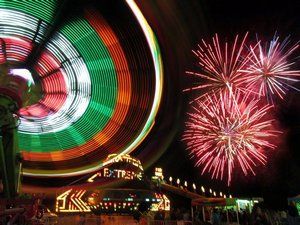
x=87, y=102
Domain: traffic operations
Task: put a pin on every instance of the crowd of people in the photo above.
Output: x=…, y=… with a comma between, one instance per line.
x=174, y=214
x=260, y=215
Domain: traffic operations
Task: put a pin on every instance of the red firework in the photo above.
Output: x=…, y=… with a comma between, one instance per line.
x=269, y=71
x=224, y=133
x=221, y=67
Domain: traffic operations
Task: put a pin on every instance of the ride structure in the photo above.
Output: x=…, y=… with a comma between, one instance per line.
x=14, y=92
x=98, y=77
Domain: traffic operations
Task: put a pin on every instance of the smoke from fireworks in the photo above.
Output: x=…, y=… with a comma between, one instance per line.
x=221, y=66
x=224, y=132
x=269, y=71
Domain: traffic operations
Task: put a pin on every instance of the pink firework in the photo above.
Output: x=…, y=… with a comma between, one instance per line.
x=221, y=66
x=269, y=71
x=224, y=133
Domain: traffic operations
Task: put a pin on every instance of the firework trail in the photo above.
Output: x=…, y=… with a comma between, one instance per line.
x=269, y=72
x=222, y=66
x=223, y=133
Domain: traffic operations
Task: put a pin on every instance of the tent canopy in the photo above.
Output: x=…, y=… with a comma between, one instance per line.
x=214, y=202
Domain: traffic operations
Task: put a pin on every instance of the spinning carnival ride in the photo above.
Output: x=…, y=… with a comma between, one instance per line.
x=95, y=83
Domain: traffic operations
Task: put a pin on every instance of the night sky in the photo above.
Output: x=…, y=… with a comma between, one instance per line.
x=179, y=26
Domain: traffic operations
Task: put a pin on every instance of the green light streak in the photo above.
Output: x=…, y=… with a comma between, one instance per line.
x=103, y=99
x=44, y=10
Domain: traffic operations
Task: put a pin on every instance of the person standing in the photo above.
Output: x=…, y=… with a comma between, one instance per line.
x=292, y=214
x=82, y=219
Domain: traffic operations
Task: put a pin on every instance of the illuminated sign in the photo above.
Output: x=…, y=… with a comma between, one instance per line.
x=125, y=158
x=118, y=174
x=126, y=174
x=159, y=173
x=162, y=204
x=72, y=201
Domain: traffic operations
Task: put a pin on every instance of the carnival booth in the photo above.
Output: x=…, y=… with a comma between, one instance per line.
x=207, y=205
x=230, y=208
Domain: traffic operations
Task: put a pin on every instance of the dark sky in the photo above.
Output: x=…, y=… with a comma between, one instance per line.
x=179, y=26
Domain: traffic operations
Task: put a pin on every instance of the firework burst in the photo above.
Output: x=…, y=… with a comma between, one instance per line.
x=224, y=133
x=269, y=72
x=221, y=66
